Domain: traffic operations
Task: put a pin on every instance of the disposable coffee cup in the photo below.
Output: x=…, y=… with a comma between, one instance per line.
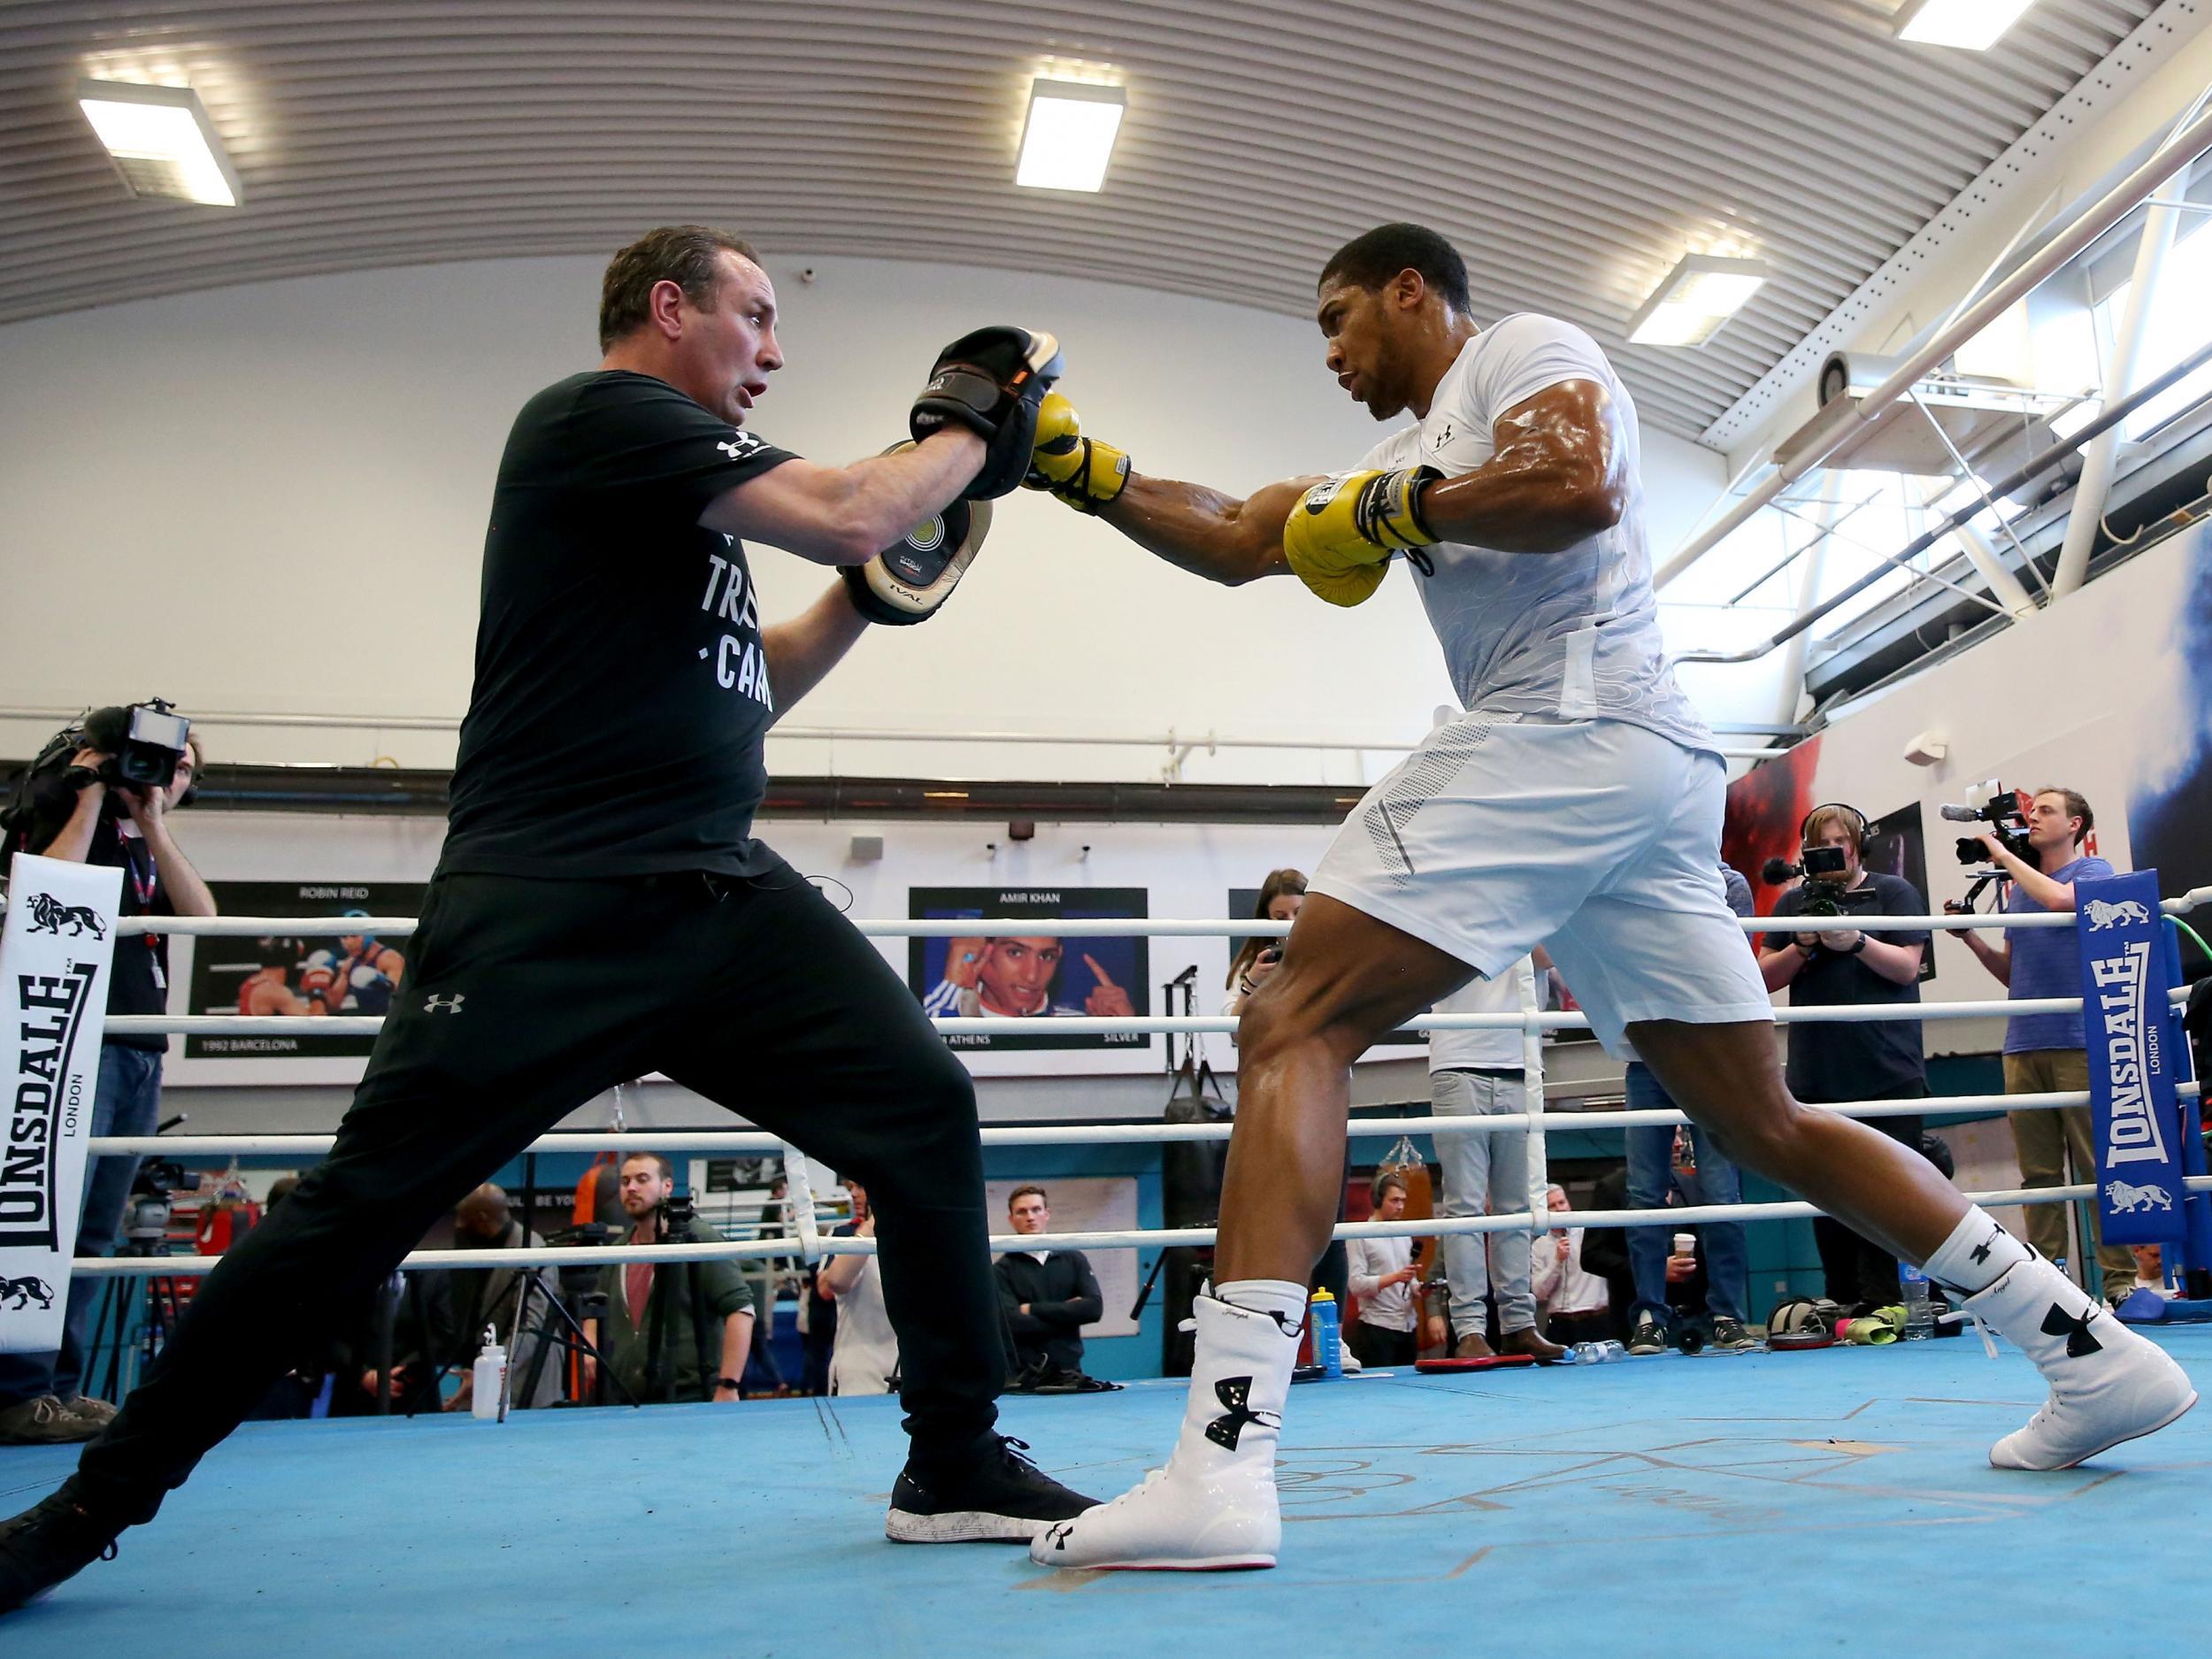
x=1685, y=1244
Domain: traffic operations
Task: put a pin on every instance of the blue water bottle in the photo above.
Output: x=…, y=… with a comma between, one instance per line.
x=1328, y=1335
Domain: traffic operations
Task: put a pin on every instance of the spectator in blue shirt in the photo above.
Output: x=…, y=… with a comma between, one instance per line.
x=2045, y=1053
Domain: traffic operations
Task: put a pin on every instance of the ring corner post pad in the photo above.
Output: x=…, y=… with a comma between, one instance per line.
x=56, y=947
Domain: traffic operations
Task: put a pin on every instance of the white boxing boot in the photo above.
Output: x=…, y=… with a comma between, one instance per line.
x=1214, y=1506
x=2107, y=1383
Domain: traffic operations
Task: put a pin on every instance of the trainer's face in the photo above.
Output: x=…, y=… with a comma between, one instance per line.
x=1028, y=1213
x=1364, y=352
x=726, y=354
x=644, y=1187
x=1017, y=972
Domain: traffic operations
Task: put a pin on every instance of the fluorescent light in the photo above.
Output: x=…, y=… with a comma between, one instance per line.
x=1069, y=136
x=1696, y=297
x=161, y=141
x=1973, y=26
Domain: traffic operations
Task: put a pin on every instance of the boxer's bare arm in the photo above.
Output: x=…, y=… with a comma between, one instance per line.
x=847, y=515
x=1205, y=531
x=1558, y=476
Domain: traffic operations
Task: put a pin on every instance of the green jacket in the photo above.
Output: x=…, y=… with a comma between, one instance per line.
x=718, y=1289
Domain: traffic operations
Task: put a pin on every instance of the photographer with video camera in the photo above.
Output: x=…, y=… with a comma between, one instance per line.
x=678, y=1330
x=101, y=793
x=1846, y=966
x=2040, y=860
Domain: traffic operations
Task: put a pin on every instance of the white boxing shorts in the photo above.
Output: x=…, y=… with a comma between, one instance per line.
x=1596, y=839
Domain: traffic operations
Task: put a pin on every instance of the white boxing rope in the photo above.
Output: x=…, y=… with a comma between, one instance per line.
x=735, y=1141
x=736, y=1249
x=1105, y=927
x=1082, y=1025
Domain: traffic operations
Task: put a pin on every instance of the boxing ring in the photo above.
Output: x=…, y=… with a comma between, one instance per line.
x=1606, y=1504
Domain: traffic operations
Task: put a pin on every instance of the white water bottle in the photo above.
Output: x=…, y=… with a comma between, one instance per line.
x=1919, y=1316
x=487, y=1378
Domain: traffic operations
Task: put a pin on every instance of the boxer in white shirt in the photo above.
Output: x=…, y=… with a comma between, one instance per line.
x=1576, y=803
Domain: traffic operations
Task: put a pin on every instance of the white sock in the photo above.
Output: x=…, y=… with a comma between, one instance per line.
x=1284, y=1300
x=1976, y=1255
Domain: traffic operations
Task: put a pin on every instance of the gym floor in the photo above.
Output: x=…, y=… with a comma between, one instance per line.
x=1727, y=1504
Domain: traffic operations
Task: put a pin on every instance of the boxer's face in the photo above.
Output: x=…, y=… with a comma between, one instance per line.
x=724, y=356
x=1017, y=971
x=1364, y=351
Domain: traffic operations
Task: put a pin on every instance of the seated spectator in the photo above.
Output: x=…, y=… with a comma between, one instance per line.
x=485, y=1221
x=1574, y=1300
x=864, y=1356
x=1382, y=1274
x=1049, y=1295
x=679, y=1331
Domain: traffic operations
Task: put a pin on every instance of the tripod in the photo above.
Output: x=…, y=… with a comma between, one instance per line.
x=162, y=1309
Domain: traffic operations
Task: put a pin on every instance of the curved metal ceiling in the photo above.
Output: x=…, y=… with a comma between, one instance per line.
x=1573, y=149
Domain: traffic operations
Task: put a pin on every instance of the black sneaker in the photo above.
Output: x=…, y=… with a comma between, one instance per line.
x=51, y=1541
x=1648, y=1337
x=1001, y=1498
x=1730, y=1333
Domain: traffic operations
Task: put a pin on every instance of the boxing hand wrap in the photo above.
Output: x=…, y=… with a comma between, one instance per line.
x=1340, y=536
x=990, y=381
x=1079, y=471
x=908, y=580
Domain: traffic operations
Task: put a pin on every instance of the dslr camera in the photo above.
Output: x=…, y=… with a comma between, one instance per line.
x=1993, y=804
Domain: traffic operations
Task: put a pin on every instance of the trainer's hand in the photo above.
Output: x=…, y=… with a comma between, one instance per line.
x=1081, y=471
x=1342, y=534
x=1107, y=1000
x=991, y=382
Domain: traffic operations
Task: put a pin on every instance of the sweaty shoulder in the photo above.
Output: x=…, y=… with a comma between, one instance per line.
x=1519, y=356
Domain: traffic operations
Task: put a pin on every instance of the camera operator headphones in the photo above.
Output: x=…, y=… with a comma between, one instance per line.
x=1854, y=821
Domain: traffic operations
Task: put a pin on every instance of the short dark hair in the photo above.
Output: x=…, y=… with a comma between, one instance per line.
x=668, y=1170
x=1369, y=260
x=1020, y=1193
x=689, y=256
x=2077, y=806
x=1382, y=1183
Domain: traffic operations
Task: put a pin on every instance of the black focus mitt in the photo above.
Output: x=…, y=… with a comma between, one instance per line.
x=908, y=580
x=991, y=382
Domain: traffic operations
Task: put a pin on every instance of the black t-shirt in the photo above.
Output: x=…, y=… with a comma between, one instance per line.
x=138, y=981
x=621, y=694
x=1864, y=1060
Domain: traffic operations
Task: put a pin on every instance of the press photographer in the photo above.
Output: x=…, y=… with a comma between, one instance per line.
x=2044, y=1053
x=1860, y=1060
x=677, y=1331
x=101, y=793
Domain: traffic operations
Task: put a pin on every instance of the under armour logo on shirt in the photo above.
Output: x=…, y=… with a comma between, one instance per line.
x=444, y=1004
x=1235, y=1393
x=739, y=444
x=2080, y=1343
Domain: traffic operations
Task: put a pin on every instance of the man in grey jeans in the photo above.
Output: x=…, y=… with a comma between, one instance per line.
x=1483, y=1073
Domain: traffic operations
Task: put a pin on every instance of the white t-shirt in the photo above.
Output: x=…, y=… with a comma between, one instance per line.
x=866, y=1351
x=1572, y=635
x=1511, y=992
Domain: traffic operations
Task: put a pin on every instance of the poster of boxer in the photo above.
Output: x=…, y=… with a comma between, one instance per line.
x=1037, y=975
x=282, y=973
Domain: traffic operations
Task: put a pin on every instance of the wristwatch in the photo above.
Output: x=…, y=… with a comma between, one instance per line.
x=1857, y=948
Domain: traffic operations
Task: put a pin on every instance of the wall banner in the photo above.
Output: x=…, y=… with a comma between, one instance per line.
x=55, y=951
x=2126, y=1021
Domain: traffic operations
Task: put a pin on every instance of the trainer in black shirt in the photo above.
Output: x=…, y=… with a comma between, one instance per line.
x=602, y=911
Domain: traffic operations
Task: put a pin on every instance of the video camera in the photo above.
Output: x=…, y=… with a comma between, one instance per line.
x=1820, y=897
x=143, y=741
x=1993, y=804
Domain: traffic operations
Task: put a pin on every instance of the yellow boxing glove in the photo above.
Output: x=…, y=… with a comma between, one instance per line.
x=1079, y=471
x=1342, y=534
